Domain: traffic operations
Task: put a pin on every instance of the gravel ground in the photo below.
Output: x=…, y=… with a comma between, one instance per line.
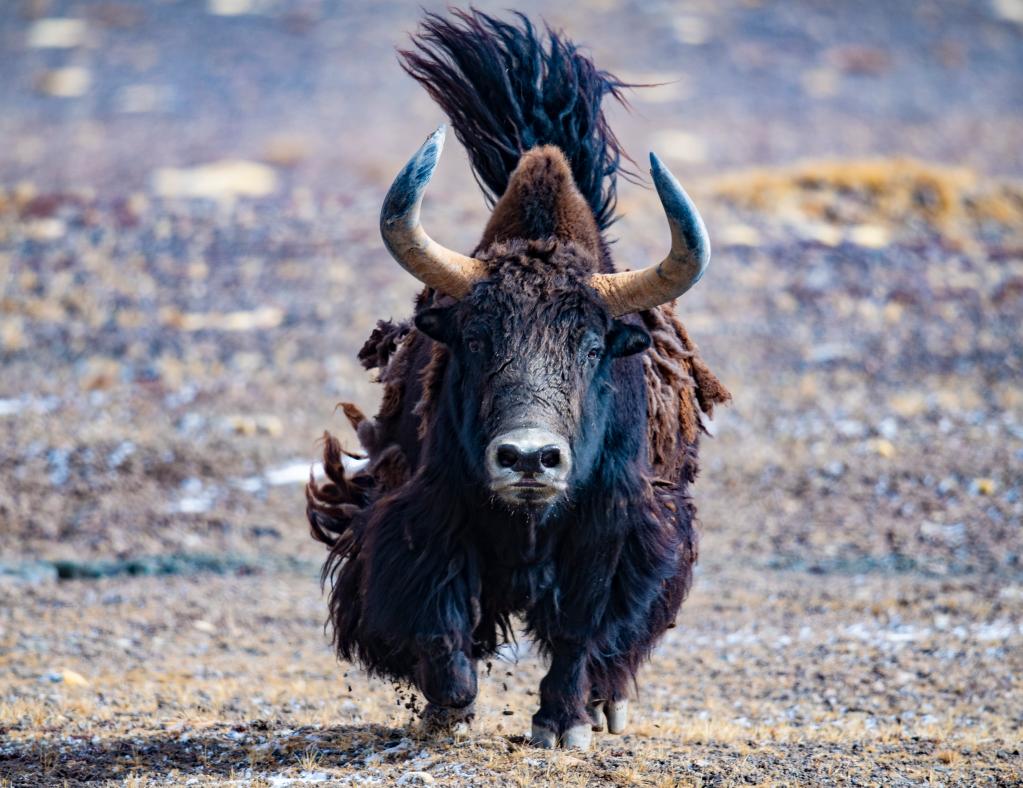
x=189, y=262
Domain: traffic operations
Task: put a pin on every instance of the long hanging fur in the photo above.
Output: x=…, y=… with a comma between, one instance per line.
x=507, y=91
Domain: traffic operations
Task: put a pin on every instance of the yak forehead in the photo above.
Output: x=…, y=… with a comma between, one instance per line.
x=539, y=290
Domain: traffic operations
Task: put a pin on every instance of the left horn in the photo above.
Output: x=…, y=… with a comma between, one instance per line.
x=432, y=264
x=634, y=291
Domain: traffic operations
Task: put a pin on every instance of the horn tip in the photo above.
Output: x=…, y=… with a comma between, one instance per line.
x=438, y=135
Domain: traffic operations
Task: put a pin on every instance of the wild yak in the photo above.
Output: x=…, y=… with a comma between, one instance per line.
x=539, y=425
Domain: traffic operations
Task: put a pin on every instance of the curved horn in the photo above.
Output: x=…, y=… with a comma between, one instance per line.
x=633, y=291
x=432, y=264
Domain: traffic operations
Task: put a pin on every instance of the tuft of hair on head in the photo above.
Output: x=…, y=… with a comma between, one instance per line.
x=508, y=89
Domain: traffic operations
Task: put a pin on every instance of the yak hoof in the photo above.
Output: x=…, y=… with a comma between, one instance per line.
x=543, y=737
x=595, y=708
x=446, y=719
x=617, y=713
x=578, y=737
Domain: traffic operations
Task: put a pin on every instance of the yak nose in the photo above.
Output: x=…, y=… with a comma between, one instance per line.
x=529, y=462
x=525, y=461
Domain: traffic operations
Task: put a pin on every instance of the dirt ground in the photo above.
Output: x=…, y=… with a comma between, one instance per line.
x=189, y=262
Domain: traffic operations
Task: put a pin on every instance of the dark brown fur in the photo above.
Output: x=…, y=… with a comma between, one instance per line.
x=426, y=567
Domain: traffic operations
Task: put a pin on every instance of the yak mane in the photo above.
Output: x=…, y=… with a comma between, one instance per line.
x=547, y=95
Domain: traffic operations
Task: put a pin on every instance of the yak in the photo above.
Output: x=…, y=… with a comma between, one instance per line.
x=531, y=460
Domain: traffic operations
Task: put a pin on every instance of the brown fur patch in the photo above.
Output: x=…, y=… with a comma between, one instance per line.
x=679, y=385
x=382, y=343
x=332, y=505
x=433, y=379
x=542, y=189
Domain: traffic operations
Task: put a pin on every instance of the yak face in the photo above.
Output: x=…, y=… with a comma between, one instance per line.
x=529, y=378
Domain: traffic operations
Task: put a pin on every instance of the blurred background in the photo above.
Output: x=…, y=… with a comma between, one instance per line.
x=189, y=262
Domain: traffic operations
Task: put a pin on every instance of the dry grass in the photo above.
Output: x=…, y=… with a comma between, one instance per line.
x=725, y=701
x=903, y=194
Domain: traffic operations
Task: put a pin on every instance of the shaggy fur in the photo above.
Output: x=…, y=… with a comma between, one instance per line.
x=506, y=93
x=426, y=568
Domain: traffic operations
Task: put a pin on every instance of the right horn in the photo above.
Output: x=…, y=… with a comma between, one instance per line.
x=634, y=291
x=434, y=265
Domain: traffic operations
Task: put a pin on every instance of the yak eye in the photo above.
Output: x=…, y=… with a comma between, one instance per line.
x=593, y=354
x=474, y=345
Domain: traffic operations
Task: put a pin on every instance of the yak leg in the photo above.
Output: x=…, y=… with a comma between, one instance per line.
x=562, y=718
x=446, y=675
x=448, y=681
x=616, y=712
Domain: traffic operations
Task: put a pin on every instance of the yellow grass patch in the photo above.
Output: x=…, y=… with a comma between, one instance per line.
x=871, y=194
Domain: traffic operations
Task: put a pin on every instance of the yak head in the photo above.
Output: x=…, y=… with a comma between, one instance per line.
x=535, y=320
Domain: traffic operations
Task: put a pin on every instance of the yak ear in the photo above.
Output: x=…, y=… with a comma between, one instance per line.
x=625, y=339
x=438, y=323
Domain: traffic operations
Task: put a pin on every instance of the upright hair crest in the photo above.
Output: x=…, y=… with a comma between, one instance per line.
x=508, y=90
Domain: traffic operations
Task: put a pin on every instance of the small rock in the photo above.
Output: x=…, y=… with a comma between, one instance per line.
x=56, y=33
x=954, y=534
x=204, y=626
x=692, y=30
x=222, y=180
x=69, y=82
x=137, y=99
x=11, y=407
x=262, y=424
x=681, y=146
x=284, y=150
x=884, y=448
x=1009, y=10
x=850, y=428
x=820, y=83
x=12, y=334
x=73, y=678
x=738, y=235
x=828, y=352
x=230, y=7
x=871, y=236
x=416, y=778
x=265, y=317
x=860, y=60
x=983, y=486
x=908, y=404
x=821, y=232
x=888, y=428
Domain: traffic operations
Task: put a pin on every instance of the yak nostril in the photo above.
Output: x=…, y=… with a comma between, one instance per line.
x=507, y=456
x=550, y=457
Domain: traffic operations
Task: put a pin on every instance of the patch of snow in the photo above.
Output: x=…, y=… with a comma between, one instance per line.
x=12, y=406
x=281, y=781
x=292, y=473
x=195, y=498
x=123, y=451
x=416, y=778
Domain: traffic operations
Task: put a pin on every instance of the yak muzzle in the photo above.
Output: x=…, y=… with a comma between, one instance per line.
x=528, y=466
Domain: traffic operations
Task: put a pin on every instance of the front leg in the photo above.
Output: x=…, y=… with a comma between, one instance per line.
x=562, y=718
x=446, y=675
